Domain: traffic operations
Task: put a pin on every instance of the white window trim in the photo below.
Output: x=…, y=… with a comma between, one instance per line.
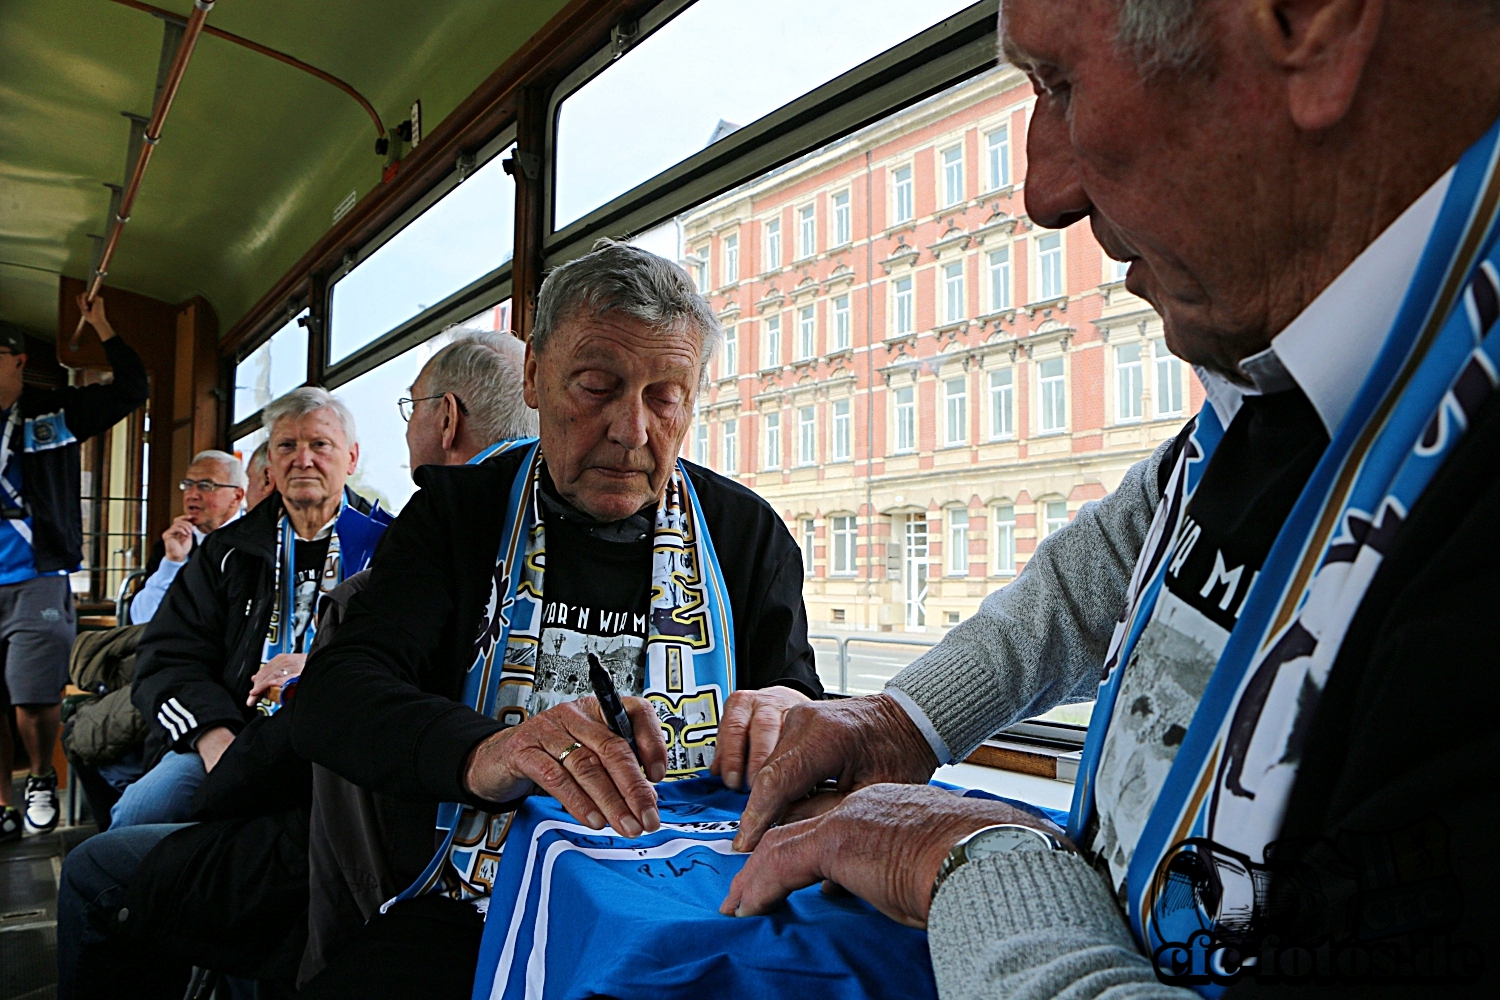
x=1114, y=380
x=993, y=556
x=916, y=430
x=812, y=458
x=1036, y=385
x=1010, y=278
x=767, y=233
x=731, y=259
x=911, y=186
x=949, y=564
x=963, y=290
x=833, y=217
x=942, y=179
x=948, y=440
x=805, y=252
x=1008, y=159
x=895, y=314
x=848, y=418
x=835, y=544
x=1036, y=263
x=989, y=397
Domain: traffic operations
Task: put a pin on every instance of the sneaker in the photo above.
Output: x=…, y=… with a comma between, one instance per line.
x=10, y=824
x=41, y=802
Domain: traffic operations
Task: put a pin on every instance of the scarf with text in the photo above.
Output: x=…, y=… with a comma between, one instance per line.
x=1196, y=887
x=689, y=659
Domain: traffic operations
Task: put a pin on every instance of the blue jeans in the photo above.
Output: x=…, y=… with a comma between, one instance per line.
x=90, y=891
x=163, y=795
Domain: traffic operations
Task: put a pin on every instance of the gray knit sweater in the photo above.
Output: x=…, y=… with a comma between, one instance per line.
x=1036, y=924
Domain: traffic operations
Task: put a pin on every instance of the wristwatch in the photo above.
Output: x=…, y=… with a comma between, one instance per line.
x=991, y=840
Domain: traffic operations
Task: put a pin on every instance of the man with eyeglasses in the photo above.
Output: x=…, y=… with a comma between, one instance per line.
x=212, y=491
x=41, y=542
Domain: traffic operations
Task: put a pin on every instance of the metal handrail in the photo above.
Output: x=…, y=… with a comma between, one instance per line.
x=843, y=645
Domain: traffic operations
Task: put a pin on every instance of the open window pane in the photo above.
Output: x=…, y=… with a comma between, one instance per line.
x=272, y=369
x=465, y=235
x=610, y=139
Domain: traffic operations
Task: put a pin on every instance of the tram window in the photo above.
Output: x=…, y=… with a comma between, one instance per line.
x=275, y=367
x=609, y=139
x=463, y=236
x=383, y=473
x=245, y=446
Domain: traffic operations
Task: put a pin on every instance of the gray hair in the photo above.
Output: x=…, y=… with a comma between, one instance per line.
x=259, y=458
x=1163, y=34
x=486, y=371
x=643, y=286
x=308, y=399
x=229, y=462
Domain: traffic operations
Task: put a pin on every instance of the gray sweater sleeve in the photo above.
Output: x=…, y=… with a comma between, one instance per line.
x=1033, y=926
x=1041, y=640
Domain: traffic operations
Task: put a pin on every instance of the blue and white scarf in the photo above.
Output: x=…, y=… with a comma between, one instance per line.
x=351, y=544
x=1225, y=796
x=689, y=659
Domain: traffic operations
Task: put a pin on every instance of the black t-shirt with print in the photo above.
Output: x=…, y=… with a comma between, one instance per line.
x=1249, y=488
x=308, y=565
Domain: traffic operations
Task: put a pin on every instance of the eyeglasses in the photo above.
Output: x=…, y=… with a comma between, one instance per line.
x=204, y=485
x=407, y=405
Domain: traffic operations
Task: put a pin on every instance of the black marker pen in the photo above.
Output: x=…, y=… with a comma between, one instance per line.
x=610, y=704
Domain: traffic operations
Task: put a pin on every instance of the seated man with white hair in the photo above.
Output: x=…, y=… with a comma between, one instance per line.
x=212, y=490
x=258, y=472
x=237, y=623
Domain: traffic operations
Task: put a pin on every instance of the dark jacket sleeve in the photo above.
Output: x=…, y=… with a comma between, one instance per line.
x=181, y=657
x=362, y=711
x=93, y=409
x=779, y=652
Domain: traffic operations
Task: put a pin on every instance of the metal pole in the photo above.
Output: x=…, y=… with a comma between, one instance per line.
x=190, y=37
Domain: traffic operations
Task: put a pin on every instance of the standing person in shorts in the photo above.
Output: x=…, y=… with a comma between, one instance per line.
x=41, y=541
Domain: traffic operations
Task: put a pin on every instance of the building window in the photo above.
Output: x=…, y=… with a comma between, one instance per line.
x=953, y=175
x=807, y=232
x=1116, y=270
x=1130, y=379
x=729, y=355
x=773, y=244
x=1056, y=516
x=842, y=438
x=729, y=459
x=1002, y=404
x=843, y=230
x=997, y=145
x=906, y=308
x=841, y=337
x=953, y=292
x=1168, y=381
x=701, y=266
x=700, y=445
x=1005, y=539
x=807, y=435
x=955, y=407
x=1054, y=396
x=773, y=341
x=999, y=261
x=731, y=259
x=958, y=542
x=1049, y=262
x=773, y=440
x=809, y=539
x=806, y=333
x=906, y=420
x=904, y=209
x=844, y=540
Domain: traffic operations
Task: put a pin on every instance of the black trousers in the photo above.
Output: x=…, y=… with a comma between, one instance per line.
x=426, y=947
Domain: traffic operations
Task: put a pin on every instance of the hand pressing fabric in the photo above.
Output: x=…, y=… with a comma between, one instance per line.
x=857, y=741
x=569, y=753
x=884, y=843
x=749, y=731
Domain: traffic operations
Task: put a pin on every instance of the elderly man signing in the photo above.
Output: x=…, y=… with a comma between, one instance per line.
x=212, y=491
x=456, y=676
x=1307, y=191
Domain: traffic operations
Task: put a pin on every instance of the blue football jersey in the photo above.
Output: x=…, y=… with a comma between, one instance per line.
x=577, y=913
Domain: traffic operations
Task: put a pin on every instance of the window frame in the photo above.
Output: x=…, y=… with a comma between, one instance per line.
x=1136, y=370
x=961, y=398
x=1051, y=525
x=956, y=551
x=843, y=542
x=904, y=416
x=1175, y=365
x=1040, y=268
x=955, y=302
x=904, y=306
x=771, y=328
x=807, y=332
x=807, y=436
x=843, y=217
x=948, y=185
x=773, y=245
x=997, y=157
x=731, y=259
x=843, y=431
x=903, y=195
x=807, y=231
x=730, y=444
x=843, y=323
x=1042, y=385
x=1002, y=539
x=808, y=536
x=771, y=424
x=729, y=352
x=1000, y=303
x=1008, y=392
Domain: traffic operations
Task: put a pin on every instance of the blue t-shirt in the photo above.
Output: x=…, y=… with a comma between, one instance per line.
x=579, y=913
x=17, y=563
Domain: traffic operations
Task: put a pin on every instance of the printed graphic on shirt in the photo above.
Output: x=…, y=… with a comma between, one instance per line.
x=569, y=633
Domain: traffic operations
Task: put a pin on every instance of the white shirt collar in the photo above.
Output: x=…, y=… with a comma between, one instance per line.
x=1329, y=349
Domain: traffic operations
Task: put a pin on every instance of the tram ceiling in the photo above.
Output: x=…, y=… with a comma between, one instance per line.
x=256, y=156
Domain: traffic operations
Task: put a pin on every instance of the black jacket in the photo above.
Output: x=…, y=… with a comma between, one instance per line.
x=57, y=421
x=378, y=705
x=202, y=647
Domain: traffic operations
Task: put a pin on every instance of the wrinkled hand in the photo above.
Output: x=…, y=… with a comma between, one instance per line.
x=212, y=744
x=177, y=540
x=95, y=316
x=748, y=731
x=600, y=779
x=858, y=741
x=275, y=672
x=884, y=843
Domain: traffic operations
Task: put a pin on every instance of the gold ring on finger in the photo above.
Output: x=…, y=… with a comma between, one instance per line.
x=564, y=755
